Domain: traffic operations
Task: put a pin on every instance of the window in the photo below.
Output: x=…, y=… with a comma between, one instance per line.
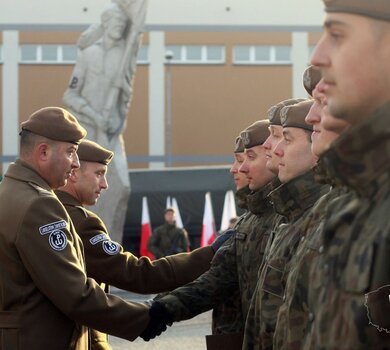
x=261, y=54
x=199, y=54
x=143, y=55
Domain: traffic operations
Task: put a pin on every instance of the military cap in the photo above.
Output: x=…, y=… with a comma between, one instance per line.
x=311, y=77
x=255, y=134
x=294, y=116
x=90, y=151
x=55, y=123
x=378, y=9
x=273, y=114
x=239, y=146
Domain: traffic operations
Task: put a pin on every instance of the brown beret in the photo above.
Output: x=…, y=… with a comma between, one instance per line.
x=90, y=151
x=255, y=134
x=239, y=146
x=311, y=77
x=378, y=9
x=294, y=116
x=273, y=114
x=55, y=123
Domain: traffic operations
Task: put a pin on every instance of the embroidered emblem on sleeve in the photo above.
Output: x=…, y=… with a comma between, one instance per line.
x=110, y=247
x=58, y=240
x=58, y=225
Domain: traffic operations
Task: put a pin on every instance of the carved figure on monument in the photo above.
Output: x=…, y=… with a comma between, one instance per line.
x=99, y=94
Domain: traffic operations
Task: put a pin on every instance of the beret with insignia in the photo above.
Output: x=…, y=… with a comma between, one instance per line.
x=90, y=151
x=55, y=123
x=311, y=77
x=239, y=146
x=273, y=114
x=377, y=9
x=255, y=134
x=294, y=116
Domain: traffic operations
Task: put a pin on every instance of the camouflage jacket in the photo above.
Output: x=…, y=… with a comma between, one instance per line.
x=293, y=313
x=227, y=316
x=233, y=267
x=293, y=201
x=351, y=308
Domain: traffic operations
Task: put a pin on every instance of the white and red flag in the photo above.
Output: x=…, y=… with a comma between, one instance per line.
x=146, y=230
x=208, y=230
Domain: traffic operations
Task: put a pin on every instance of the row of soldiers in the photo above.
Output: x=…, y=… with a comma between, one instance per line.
x=308, y=266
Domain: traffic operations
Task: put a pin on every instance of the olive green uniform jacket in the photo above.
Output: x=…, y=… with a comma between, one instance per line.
x=109, y=264
x=351, y=309
x=292, y=200
x=46, y=299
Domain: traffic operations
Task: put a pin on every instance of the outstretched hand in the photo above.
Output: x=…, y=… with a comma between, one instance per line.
x=159, y=320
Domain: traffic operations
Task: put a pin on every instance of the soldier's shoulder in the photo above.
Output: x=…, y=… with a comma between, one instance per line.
x=40, y=191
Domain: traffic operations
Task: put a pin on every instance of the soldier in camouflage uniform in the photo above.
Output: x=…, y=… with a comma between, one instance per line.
x=292, y=199
x=227, y=317
x=235, y=268
x=348, y=312
x=293, y=316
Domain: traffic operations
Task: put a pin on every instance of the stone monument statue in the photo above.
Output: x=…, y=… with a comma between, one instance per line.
x=99, y=94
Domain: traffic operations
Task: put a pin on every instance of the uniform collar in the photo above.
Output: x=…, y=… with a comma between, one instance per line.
x=67, y=199
x=20, y=170
x=241, y=196
x=296, y=196
x=360, y=157
x=258, y=202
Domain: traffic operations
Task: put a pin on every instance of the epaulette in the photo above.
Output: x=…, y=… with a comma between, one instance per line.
x=41, y=191
x=85, y=212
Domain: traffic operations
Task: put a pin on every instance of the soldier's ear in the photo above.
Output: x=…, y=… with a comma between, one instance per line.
x=74, y=175
x=42, y=151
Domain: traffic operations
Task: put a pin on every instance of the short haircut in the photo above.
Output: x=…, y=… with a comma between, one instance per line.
x=28, y=140
x=168, y=210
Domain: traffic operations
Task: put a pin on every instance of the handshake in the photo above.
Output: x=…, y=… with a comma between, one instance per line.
x=160, y=318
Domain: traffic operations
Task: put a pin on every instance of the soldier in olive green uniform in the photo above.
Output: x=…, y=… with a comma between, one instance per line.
x=235, y=264
x=106, y=261
x=293, y=317
x=350, y=310
x=292, y=199
x=47, y=301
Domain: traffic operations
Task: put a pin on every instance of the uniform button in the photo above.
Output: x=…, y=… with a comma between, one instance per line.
x=321, y=250
x=302, y=238
x=311, y=317
x=284, y=298
x=326, y=267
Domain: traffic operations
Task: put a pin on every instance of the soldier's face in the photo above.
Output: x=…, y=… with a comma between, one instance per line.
x=354, y=57
x=239, y=178
x=254, y=168
x=294, y=153
x=321, y=138
x=276, y=134
x=62, y=159
x=91, y=180
x=170, y=217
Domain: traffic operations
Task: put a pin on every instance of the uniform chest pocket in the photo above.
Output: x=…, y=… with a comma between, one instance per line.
x=274, y=275
x=357, y=273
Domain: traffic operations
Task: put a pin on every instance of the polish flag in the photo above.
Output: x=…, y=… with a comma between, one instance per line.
x=229, y=210
x=179, y=221
x=208, y=230
x=146, y=230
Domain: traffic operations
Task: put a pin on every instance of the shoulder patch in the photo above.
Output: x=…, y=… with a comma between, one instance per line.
x=43, y=230
x=41, y=190
x=110, y=247
x=98, y=238
x=58, y=240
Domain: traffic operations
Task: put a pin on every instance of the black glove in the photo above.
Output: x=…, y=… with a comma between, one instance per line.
x=222, y=239
x=159, y=319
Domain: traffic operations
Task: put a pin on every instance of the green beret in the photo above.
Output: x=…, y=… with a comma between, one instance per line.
x=90, y=151
x=378, y=9
x=311, y=77
x=273, y=114
x=239, y=146
x=294, y=116
x=255, y=134
x=55, y=123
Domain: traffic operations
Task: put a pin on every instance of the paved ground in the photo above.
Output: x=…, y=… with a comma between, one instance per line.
x=183, y=335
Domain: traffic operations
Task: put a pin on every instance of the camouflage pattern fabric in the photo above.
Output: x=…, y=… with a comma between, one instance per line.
x=293, y=316
x=234, y=266
x=293, y=201
x=355, y=256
